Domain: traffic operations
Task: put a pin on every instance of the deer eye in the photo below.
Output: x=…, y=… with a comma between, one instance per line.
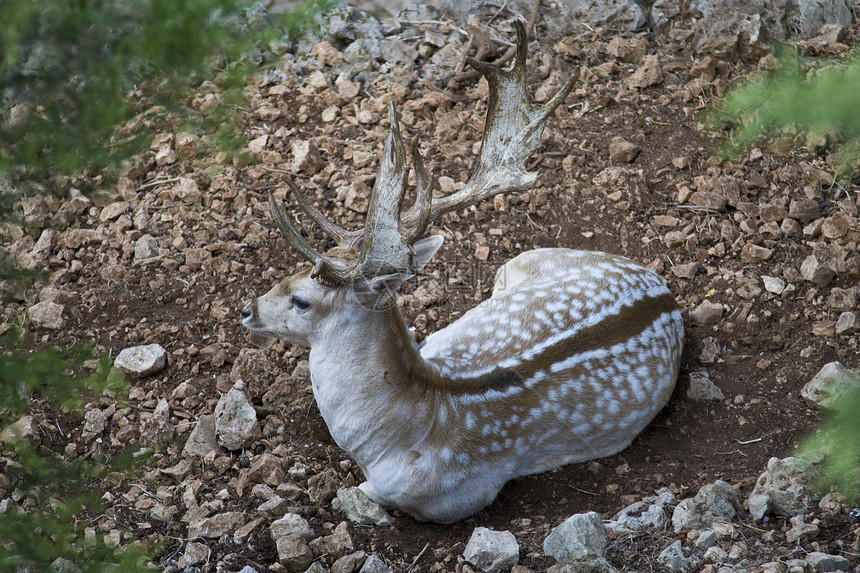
x=300, y=303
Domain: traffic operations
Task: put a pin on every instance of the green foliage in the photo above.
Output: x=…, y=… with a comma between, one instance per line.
x=798, y=97
x=57, y=496
x=75, y=75
x=839, y=440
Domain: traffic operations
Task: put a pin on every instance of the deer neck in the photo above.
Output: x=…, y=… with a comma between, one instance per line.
x=364, y=372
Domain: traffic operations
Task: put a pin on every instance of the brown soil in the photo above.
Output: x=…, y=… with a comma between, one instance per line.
x=221, y=250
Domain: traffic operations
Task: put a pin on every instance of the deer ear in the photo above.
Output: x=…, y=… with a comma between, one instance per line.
x=378, y=292
x=424, y=250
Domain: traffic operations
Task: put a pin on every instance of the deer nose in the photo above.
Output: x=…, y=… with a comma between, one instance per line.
x=246, y=312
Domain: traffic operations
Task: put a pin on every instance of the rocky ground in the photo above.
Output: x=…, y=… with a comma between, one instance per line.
x=761, y=252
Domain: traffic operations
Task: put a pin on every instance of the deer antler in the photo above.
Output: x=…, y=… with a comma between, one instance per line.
x=512, y=132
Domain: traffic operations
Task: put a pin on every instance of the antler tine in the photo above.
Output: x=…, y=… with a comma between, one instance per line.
x=385, y=248
x=341, y=236
x=327, y=269
x=290, y=232
x=512, y=132
x=421, y=209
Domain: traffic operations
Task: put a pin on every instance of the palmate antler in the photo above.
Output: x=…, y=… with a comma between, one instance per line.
x=512, y=132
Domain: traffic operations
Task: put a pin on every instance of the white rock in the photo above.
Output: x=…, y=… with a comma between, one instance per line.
x=705, y=540
x=202, y=439
x=294, y=552
x=674, y=559
x=291, y=524
x=359, y=508
x=140, y=361
x=624, y=15
x=95, y=421
x=832, y=383
x=707, y=313
x=773, y=285
x=820, y=561
x=63, y=565
x=146, y=247
x=703, y=388
x=196, y=553
x=491, y=551
x=217, y=525
x=21, y=430
x=715, y=554
x=650, y=513
x=713, y=502
x=48, y=315
x=581, y=536
x=816, y=272
x=258, y=145
x=157, y=428
x=306, y=156
x=374, y=564
x=186, y=189
x=783, y=489
x=235, y=419
x=848, y=323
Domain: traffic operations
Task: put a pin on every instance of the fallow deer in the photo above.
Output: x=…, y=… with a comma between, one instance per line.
x=574, y=356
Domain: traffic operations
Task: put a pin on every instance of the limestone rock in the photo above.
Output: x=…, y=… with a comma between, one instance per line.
x=338, y=544
x=703, y=388
x=21, y=430
x=783, y=489
x=374, y=564
x=235, y=419
x=674, y=559
x=773, y=285
x=649, y=513
x=580, y=537
x=753, y=254
x=186, y=189
x=202, y=439
x=820, y=561
x=848, y=323
x=146, y=247
x=253, y=368
x=491, y=551
x=622, y=15
x=813, y=14
x=627, y=49
x=140, y=361
x=815, y=271
x=291, y=524
x=648, y=74
x=157, y=428
x=266, y=468
x=714, y=502
x=831, y=384
x=217, y=525
x=349, y=563
x=294, y=552
x=596, y=565
x=359, y=508
x=306, y=156
x=95, y=421
x=196, y=553
x=48, y=315
x=707, y=313
x=622, y=150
